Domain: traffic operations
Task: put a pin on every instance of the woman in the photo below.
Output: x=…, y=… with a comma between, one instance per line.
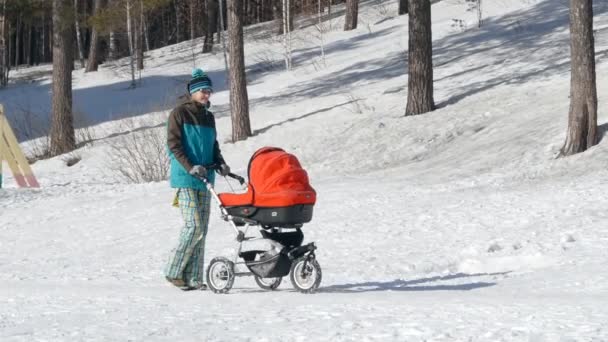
x=192, y=143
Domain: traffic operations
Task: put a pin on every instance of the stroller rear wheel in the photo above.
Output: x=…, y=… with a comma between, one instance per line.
x=268, y=283
x=220, y=275
x=305, y=274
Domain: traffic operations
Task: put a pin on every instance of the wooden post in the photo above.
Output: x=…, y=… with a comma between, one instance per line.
x=11, y=152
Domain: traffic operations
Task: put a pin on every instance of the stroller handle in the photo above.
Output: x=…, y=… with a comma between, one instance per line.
x=216, y=166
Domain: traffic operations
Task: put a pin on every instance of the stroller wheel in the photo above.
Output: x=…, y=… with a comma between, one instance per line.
x=305, y=275
x=268, y=283
x=220, y=275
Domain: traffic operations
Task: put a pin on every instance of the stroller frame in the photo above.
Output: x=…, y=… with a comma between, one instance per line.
x=305, y=271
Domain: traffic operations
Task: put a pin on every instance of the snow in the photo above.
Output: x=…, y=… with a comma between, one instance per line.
x=456, y=225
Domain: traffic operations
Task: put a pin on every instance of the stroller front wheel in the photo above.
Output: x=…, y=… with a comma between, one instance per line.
x=220, y=275
x=305, y=274
x=269, y=284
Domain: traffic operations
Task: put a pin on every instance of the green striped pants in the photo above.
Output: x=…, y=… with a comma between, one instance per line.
x=187, y=261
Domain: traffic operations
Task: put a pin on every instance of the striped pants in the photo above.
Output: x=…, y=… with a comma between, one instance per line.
x=187, y=261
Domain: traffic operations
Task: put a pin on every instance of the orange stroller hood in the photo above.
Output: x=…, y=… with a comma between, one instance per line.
x=276, y=179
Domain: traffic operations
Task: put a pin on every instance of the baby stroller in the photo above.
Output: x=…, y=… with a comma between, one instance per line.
x=279, y=200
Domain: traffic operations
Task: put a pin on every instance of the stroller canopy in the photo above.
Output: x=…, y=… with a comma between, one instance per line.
x=276, y=179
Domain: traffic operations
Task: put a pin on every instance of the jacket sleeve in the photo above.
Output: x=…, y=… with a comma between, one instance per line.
x=217, y=154
x=174, y=139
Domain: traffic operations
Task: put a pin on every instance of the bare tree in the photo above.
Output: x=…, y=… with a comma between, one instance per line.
x=420, y=59
x=62, y=128
x=352, y=14
x=582, y=117
x=239, y=101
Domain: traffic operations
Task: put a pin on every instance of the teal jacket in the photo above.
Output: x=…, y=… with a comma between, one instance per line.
x=192, y=140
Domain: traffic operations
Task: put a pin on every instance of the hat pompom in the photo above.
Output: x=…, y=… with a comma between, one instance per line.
x=196, y=73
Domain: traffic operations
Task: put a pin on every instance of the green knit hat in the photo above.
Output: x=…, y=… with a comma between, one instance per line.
x=199, y=81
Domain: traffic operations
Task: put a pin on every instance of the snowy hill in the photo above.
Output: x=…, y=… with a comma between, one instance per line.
x=456, y=225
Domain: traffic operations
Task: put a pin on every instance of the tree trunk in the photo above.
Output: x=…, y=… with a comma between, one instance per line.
x=93, y=61
x=267, y=10
x=582, y=117
x=30, y=45
x=164, y=25
x=130, y=35
x=194, y=19
x=129, y=18
x=44, y=32
x=11, y=47
x=279, y=11
x=146, y=35
x=352, y=14
x=139, y=36
x=4, y=68
x=62, y=129
x=211, y=25
x=402, y=7
x=420, y=59
x=239, y=101
x=479, y=14
x=221, y=24
x=177, y=21
x=329, y=13
x=113, y=47
x=224, y=14
x=78, y=35
x=287, y=36
x=321, y=33
x=18, y=42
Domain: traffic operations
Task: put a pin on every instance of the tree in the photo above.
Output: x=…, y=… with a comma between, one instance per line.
x=352, y=14
x=212, y=15
x=402, y=7
x=62, y=128
x=239, y=101
x=93, y=61
x=195, y=22
x=287, y=19
x=582, y=116
x=4, y=57
x=278, y=7
x=78, y=33
x=139, y=36
x=420, y=59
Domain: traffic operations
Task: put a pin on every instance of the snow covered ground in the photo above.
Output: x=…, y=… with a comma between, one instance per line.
x=456, y=225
